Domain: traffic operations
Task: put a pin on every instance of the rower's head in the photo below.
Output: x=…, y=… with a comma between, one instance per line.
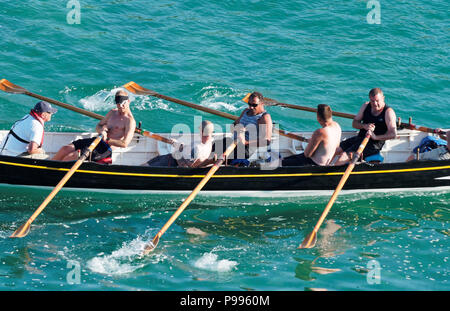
x=324, y=114
x=206, y=129
x=44, y=110
x=121, y=100
x=376, y=97
x=255, y=101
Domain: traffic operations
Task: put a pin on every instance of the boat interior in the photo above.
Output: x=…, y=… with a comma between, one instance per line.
x=142, y=148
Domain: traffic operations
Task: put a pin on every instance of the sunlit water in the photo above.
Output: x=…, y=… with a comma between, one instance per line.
x=213, y=53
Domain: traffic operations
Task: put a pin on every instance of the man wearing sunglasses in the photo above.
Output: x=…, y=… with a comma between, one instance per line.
x=117, y=128
x=252, y=129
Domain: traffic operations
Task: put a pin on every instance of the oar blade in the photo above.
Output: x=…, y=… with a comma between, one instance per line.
x=245, y=99
x=22, y=231
x=151, y=245
x=9, y=87
x=135, y=88
x=309, y=241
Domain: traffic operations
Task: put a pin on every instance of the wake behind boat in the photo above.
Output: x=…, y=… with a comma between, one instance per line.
x=125, y=172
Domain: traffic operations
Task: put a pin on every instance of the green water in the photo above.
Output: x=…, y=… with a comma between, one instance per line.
x=212, y=53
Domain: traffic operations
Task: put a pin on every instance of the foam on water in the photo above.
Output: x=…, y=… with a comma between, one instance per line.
x=211, y=262
x=126, y=259
x=214, y=97
x=103, y=100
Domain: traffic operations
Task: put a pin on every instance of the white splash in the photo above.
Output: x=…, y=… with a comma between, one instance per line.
x=213, y=97
x=126, y=259
x=210, y=262
x=103, y=100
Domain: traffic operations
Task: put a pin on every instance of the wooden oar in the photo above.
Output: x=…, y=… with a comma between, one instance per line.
x=9, y=87
x=152, y=245
x=25, y=228
x=311, y=238
x=139, y=90
x=410, y=126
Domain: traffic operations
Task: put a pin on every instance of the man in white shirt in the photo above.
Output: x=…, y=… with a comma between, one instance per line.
x=195, y=155
x=26, y=136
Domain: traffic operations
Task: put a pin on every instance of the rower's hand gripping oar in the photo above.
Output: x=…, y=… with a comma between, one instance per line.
x=25, y=228
x=311, y=238
x=9, y=87
x=152, y=245
x=273, y=102
x=135, y=88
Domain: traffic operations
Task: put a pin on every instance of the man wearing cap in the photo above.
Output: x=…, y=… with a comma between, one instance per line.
x=195, y=155
x=117, y=128
x=26, y=136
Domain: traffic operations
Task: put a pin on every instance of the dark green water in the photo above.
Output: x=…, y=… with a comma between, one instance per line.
x=213, y=53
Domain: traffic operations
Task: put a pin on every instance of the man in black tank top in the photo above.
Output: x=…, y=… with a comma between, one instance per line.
x=375, y=116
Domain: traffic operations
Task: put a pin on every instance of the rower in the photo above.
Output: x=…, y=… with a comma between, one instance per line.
x=26, y=137
x=323, y=143
x=375, y=116
x=253, y=129
x=193, y=155
x=117, y=128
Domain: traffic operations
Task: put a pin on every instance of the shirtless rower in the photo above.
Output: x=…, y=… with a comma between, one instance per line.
x=117, y=128
x=323, y=143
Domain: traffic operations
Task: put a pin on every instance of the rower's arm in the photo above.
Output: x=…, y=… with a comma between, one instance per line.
x=101, y=127
x=266, y=120
x=33, y=148
x=358, y=118
x=316, y=138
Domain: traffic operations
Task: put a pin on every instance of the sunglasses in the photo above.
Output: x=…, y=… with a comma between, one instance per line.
x=253, y=105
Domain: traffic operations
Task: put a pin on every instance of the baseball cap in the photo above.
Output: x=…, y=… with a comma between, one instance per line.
x=43, y=106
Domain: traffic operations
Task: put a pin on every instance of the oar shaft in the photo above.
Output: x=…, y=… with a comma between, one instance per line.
x=352, y=116
x=137, y=89
x=313, y=234
x=23, y=230
x=197, y=189
x=94, y=115
x=194, y=106
x=9, y=87
x=335, y=113
x=67, y=106
x=65, y=179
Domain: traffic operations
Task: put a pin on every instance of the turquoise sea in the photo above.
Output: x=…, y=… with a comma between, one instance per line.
x=212, y=53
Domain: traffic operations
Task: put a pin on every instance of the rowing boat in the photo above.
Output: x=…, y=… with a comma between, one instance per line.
x=126, y=172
